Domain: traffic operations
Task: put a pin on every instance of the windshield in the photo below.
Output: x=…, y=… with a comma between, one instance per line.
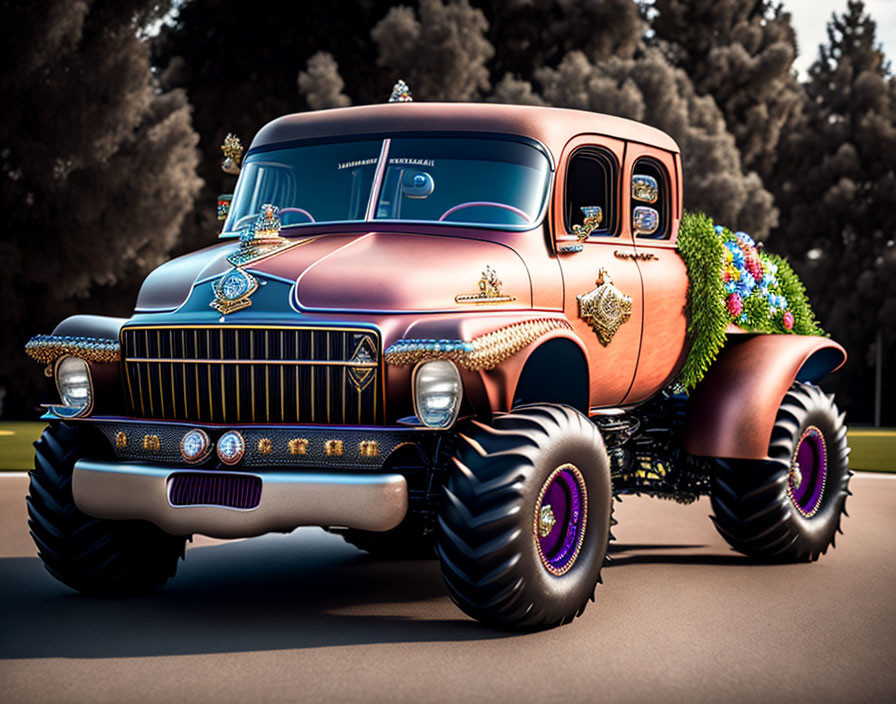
x=459, y=180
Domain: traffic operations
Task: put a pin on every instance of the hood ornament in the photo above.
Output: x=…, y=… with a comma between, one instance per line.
x=401, y=93
x=233, y=154
x=605, y=308
x=263, y=239
x=489, y=290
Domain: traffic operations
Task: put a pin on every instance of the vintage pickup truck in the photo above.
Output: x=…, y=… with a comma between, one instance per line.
x=438, y=329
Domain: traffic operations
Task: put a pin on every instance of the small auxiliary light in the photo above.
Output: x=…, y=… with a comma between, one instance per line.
x=195, y=446
x=231, y=447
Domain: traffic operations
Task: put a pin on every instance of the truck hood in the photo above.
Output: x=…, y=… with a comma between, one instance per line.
x=360, y=272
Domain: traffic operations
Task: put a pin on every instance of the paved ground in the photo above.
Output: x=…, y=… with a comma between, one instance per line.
x=307, y=618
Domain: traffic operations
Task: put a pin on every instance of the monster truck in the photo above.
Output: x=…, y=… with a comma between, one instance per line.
x=444, y=330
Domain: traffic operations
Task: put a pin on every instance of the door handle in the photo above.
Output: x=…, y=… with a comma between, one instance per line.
x=642, y=256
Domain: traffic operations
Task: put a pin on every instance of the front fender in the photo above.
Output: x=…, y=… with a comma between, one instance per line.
x=732, y=411
x=499, y=345
x=105, y=376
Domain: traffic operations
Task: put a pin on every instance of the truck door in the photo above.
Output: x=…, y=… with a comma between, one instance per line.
x=652, y=178
x=602, y=283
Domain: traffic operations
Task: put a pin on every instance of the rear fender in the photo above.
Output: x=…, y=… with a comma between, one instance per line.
x=732, y=411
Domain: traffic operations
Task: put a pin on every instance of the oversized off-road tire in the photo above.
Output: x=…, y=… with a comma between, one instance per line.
x=405, y=542
x=523, y=530
x=788, y=508
x=88, y=554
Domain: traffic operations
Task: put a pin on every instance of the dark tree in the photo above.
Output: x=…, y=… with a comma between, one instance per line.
x=740, y=52
x=239, y=63
x=321, y=83
x=441, y=50
x=531, y=34
x=837, y=193
x=647, y=88
x=98, y=165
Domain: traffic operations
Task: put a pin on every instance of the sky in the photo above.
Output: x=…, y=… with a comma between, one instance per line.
x=810, y=19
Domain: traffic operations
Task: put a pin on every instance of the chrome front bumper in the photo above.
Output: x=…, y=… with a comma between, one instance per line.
x=288, y=500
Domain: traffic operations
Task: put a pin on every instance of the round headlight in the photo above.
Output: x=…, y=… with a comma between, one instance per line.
x=73, y=382
x=437, y=393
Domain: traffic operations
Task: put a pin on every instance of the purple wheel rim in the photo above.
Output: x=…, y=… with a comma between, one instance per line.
x=808, y=472
x=561, y=513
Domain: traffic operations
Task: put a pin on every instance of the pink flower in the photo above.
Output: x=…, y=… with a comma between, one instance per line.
x=735, y=304
x=788, y=320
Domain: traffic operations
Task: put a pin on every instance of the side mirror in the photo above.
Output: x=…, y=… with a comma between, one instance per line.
x=417, y=184
x=645, y=221
x=645, y=188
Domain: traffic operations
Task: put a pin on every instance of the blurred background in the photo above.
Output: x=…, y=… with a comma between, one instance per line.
x=115, y=110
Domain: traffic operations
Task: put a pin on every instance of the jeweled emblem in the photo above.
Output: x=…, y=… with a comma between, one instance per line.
x=365, y=357
x=489, y=290
x=605, y=308
x=232, y=291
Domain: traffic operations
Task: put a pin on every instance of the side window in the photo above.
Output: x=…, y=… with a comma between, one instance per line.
x=650, y=200
x=591, y=178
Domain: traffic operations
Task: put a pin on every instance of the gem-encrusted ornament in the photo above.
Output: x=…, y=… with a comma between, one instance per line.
x=481, y=353
x=233, y=154
x=605, y=309
x=263, y=239
x=401, y=93
x=489, y=290
x=593, y=217
x=46, y=349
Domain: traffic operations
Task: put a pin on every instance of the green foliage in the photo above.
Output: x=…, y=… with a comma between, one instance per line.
x=804, y=322
x=716, y=258
x=703, y=253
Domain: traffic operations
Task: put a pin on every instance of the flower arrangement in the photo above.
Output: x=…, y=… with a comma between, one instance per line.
x=733, y=280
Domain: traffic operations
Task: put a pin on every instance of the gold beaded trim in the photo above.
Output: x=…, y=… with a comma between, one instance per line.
x=483, y=352
x=536, y=521
x=795, y=466
x=46, y=349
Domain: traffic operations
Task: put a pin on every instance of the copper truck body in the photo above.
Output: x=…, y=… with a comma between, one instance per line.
x=303, y=344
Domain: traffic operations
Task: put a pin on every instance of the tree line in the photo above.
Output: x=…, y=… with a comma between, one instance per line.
x=110, y=146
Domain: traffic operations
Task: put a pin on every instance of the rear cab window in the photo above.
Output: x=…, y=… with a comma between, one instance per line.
x=592, y=178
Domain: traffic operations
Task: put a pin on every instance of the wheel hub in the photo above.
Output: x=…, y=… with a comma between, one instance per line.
x=808, y=472
x=546, y=521
x=561, y=514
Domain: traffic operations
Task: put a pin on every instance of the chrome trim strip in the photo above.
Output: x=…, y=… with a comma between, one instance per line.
x=377, y=184
x=258, y=362
x=116, y=491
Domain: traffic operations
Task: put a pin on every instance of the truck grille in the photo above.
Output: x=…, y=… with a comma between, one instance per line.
x=212, y=489
x=243, y=374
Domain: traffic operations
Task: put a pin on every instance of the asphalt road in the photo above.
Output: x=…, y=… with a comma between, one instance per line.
x=305, y=617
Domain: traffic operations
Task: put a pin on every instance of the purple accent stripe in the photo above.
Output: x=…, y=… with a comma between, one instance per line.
x=213, y=489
